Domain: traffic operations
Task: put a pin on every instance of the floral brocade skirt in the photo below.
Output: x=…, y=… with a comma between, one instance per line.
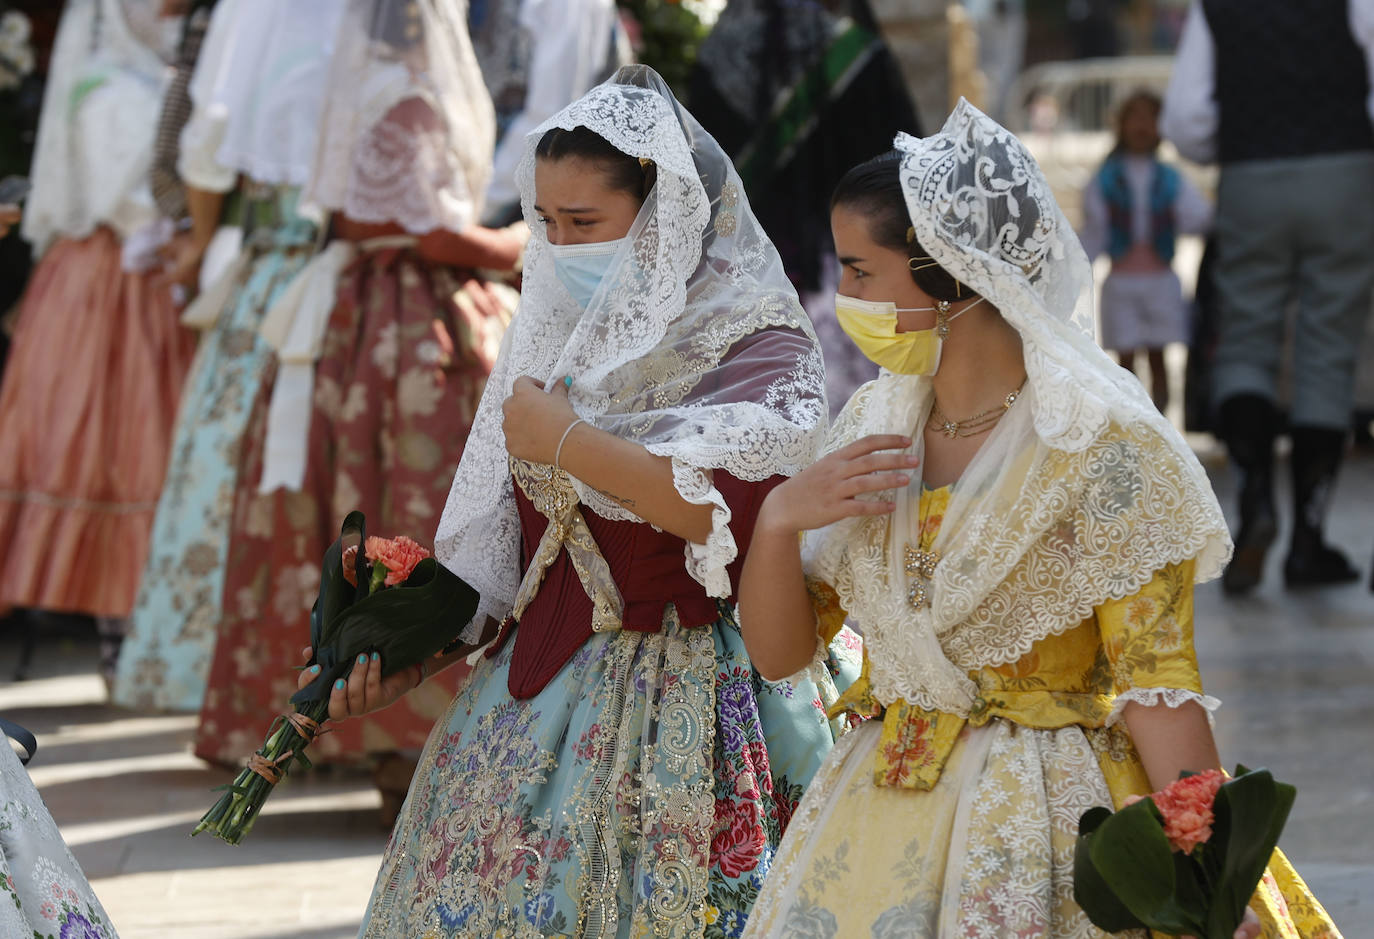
x=166, y=655
x=86, y=413
x=404, y=362
x=988, y=851
x=642, y=792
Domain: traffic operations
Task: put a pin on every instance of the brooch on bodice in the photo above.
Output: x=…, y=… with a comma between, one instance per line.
x=920, y=570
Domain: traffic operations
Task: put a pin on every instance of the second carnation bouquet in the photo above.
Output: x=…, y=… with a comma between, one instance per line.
x=1184, y=860
x=391, y=597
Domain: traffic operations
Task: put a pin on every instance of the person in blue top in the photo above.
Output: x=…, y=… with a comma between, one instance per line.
x=1134, y=209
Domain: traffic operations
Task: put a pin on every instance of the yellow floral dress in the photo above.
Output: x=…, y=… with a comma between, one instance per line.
x=924, y=824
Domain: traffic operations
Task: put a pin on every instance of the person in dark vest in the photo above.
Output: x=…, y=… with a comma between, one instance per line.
x=1279, y=95
x=1134, y=207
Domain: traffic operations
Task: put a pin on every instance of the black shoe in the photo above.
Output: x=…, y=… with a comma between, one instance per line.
x=1316, y=458
x=1247, y=423
x=1246, y=569
x=1320, y=566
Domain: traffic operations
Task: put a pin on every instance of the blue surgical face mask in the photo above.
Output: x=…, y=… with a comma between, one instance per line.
x=581, y=267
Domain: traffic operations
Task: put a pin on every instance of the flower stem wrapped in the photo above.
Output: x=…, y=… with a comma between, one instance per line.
x=391, y=598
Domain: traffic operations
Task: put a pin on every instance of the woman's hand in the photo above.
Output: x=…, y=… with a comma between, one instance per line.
x=365, y=690
x=181, y=258
x=534, y=420
x=1249, y=927
x=828, y=490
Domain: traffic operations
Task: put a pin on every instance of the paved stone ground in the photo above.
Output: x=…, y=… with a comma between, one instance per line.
x=1293, y=670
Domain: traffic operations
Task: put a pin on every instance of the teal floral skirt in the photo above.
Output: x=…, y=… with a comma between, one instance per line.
x=642, y=792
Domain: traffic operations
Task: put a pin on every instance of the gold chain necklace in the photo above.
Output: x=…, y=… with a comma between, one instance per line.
x=980, y=423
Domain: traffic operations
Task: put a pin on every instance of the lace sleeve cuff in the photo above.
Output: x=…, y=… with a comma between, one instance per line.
x=1170, y=697
x=708, y=563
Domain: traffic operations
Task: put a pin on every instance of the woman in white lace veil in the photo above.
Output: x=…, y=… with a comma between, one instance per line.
x=96, y=340
x=614, y=766
x=1015, y=530
x=383, y=346
x=256, y=92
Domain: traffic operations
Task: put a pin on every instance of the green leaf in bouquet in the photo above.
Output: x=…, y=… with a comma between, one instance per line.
x=1251, y=809
x=1134, y=858
x=1090, y=890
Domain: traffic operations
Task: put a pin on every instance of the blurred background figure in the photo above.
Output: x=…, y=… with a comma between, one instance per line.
x=796, y=93
x=383, y=348
x=27, y=29
x=97, y=341
x=257, y=92
x=1134, y=208
x=1279, y=95
x=537, y=56
x=1001, y=27
x=1093, y=27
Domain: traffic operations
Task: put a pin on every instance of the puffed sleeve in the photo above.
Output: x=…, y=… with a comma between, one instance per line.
x=1148, y=638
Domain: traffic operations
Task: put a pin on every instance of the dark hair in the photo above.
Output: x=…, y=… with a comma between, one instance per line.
x=399, y=25
x=1136, y=98
x=620, y=170
x=874, y=189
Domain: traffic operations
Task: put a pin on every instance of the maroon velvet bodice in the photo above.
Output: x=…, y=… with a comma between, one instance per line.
x=648, y=567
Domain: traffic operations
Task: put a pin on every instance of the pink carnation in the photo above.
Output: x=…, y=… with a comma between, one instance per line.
x=398, y=555
x=1186, y=805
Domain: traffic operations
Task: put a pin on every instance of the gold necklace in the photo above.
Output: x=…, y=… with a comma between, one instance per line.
x=980, y=423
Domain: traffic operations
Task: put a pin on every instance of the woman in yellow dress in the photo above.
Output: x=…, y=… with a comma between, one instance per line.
x=1017, y=533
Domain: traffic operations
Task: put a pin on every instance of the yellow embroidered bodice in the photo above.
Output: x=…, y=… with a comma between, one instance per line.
x=1142, y=641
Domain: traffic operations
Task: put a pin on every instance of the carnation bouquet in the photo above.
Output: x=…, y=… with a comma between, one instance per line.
x=1184, y=860
x=391, y=597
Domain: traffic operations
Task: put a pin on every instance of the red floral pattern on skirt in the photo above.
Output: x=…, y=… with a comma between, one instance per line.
x=404, y=363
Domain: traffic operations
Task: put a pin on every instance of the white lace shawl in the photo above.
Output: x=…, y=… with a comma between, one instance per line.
x=408, y=126
x=96, y=130
x=1079, y=496
x=694, y=346
x=257, y=92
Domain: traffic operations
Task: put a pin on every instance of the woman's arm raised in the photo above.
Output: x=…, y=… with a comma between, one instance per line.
x=536, y=421
x=776, y=618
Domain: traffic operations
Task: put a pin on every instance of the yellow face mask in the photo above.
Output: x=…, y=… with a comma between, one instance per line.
x=872, y=325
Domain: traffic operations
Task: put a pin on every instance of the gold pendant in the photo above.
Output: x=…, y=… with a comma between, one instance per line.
x=950, y=429
x=916, y=596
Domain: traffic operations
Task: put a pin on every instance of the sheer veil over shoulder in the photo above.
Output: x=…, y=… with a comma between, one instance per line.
x=694, y=345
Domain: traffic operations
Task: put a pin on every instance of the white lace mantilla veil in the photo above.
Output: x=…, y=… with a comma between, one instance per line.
x=1081, y=493
x=99, y=117
x=408, y=126
x=258, y=90
x=694, y=345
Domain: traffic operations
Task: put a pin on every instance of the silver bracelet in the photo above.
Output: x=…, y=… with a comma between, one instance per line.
x=558, y=454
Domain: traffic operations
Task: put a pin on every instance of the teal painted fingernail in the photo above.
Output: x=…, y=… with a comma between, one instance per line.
x=362, y=658
x=339, y=685
x=314, y=669
x=376, y=656
x=567, y=381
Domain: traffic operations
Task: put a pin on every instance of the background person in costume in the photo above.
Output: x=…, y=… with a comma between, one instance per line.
x=94, y=342
x=614, y=766
x=383, y=348
x=1280, y=97
x=796, y=93
x=1017, y=531
x=1134, y=209
x=257, y=94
